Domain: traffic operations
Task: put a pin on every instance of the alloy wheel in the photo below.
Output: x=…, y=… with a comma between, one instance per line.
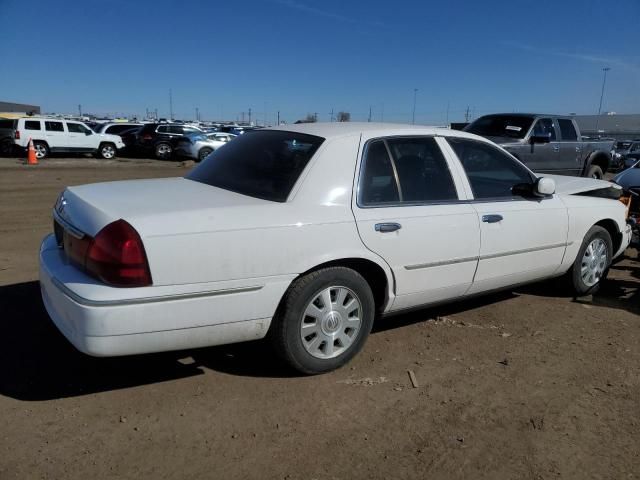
x=594, y=262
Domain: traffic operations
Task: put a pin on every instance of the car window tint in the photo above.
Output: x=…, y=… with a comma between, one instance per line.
x=567, y=130
x=635, y=147
x=163, y=129
x=377, y=183
x=175, y=129
x=32, y=125
x=264, y=165
x=75, y=128
x=544, y=126
x=492, y=173
x=423, y=172
x=54, y=126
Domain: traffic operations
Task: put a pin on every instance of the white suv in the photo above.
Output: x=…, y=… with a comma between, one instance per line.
x=52, y=135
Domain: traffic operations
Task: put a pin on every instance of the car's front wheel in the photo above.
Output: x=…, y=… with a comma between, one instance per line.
x=204, y=153
x=107, y=151
x=323, y=320
x=595, y=172
x=592, y=263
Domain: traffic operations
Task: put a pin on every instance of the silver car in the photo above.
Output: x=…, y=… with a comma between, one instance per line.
x=197, y=146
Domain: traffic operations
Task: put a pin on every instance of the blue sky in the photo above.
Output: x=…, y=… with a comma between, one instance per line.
x=303, y=56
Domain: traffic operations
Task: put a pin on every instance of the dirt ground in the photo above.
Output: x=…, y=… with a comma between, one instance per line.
x=528, y=384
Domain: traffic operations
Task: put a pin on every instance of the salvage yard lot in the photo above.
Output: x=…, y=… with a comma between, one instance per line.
x=523, y=384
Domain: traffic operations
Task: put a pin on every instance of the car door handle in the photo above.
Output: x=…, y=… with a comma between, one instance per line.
x=387, y=227
x=556, y=148
x=492, y=218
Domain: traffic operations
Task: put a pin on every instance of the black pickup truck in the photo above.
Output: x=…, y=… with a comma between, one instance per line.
x=546, y=143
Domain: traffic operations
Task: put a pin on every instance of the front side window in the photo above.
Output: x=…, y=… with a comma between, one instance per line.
x=406, y=170
x=544, y=127
x=506, y=126
x=32, y=125
x=264, y=165
x=76, y=128
x=567, y=130
x=492, y=173
x=53, y=126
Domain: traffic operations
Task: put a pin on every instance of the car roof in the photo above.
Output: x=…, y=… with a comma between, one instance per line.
x=341, y=129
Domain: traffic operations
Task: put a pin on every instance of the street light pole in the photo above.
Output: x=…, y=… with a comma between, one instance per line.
x=413, y=117
x=604, y=81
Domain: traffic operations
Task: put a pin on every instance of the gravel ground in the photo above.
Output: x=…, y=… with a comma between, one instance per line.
x=525, y=384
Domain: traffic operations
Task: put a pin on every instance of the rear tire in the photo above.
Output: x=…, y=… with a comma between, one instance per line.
x=324, y=320
x=42, y=150
x=595, y=172
x=163, y=151
x=107, y=151
x=592, y=263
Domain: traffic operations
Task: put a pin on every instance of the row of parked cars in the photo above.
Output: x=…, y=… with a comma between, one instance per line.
x=161, y=140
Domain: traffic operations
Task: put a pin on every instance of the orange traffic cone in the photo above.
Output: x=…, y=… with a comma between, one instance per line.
x=31, y=156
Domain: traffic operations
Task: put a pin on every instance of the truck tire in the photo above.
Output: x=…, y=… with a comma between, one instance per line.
x=595, y=172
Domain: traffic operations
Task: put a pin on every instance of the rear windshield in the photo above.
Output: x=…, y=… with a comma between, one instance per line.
x=512, y=126
x=6, y=124
x=265, y=164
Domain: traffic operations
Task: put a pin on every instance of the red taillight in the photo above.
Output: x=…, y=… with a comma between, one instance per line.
x=147, y=137
x=17, y=135
x=117, y=257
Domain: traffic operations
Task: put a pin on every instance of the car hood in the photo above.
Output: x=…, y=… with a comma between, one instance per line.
x=566, y=185
x=628, y=178
x=166, y=206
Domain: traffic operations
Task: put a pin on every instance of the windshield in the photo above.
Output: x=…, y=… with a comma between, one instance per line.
x=265, y=164
x=512, y=126
x=623, y=145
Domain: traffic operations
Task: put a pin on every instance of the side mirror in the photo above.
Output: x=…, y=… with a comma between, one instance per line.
x=88, y=132
x=540, y=138
x=545, y=186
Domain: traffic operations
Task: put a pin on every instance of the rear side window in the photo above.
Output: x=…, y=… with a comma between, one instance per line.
x=6, y=124
x=163, y=129
x=175, y=129
x=32, y=125
x=567, y=130
x=53, y=126
x=406, y=170
x=491, y=172
x=117, y=129
x=263, y=165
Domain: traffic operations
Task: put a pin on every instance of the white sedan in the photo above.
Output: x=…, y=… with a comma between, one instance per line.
x=306, y=233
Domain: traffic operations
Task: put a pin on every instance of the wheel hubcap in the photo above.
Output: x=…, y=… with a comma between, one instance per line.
x=40, y=151
x=594, y=262
x=107, y=152
x=331, y=322
x=164, y=150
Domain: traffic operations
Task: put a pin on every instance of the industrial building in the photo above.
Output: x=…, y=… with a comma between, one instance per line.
x=8, y=109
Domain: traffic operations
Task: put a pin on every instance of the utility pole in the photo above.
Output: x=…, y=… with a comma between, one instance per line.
x=315, y=116
x=278, y=117
x=447, y=121
x=156, y=114
x=243, y=116
x=80, y=110
x=466, y=115
x=249, y=117
x=413, y=117
x=369, y=119
x=604, y=81
x=170, y=105
x=331, y=118
x=197, y=115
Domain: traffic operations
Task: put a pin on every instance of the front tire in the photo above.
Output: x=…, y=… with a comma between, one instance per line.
x=592, y=263
x=107, y=151
x=204, y=153
x=595, y=172
x=323, y=320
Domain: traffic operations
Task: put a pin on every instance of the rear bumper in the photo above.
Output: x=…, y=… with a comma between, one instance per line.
x=99, y=324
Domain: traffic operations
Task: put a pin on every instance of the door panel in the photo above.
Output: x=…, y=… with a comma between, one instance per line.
x=55, y=134
x=543, y=157
x=527, y=244
x=412, y=211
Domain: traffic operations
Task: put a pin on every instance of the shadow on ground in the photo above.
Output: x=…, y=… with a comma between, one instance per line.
x=38, y=363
